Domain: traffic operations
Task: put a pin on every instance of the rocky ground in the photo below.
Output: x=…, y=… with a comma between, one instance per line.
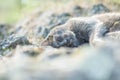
x=22, y=57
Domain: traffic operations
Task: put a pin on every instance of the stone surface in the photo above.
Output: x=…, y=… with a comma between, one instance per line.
x=99, y=8
x=58, y=19
x=12, y=41
x=77, y=11
x=4, y=31
x=83, y=63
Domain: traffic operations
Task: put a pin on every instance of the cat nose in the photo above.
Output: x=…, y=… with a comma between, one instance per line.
x=68, y=41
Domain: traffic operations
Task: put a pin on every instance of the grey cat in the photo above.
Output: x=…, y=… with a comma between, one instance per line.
x=76, y=31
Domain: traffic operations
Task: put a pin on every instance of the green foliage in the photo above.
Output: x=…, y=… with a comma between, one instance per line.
x=12, y=10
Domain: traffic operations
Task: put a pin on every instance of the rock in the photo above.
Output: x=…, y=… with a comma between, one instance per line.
x=58, y=19
x=66, y=64
x=82, y=63
x=41, y=31
x=37, y=28
x=29, y=50
x=77, y=11
x=4, y=31
x=36, y=35
x=99, y=8
x=12, y=41
x=116, y=72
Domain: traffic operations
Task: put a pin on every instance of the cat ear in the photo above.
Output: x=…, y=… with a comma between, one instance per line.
x=116, y=26
x=116, y=23
x=50, y=38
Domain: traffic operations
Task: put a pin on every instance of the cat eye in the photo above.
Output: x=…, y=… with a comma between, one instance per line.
x=50, y=38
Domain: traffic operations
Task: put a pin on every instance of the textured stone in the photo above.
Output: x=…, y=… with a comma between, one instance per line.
x=12, y=41
x=99, y=8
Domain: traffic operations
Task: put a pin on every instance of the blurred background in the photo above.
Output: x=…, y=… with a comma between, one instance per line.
x=24, y=24
x=12, y=10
